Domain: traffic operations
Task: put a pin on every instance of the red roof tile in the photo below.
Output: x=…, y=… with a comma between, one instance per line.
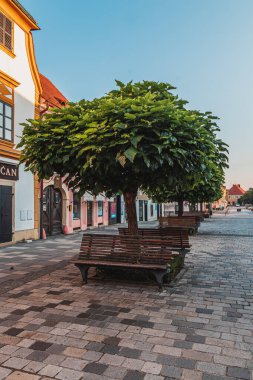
x=236, y=190
x=51, y=94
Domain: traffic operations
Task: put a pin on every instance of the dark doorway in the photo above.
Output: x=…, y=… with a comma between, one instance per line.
x=112, y=212
x=141, y=211
x=52, y=211
x=158, y=210
x=5, y=214
x=89, y=213
x=118, y=208
x=146, y=210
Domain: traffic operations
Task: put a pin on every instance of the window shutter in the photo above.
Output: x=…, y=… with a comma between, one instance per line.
x=5, y=32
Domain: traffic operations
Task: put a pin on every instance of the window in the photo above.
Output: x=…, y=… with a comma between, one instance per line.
x=76, y=206
x=151, y=210
x=6, y=121
x=5, y=32
x=100, y=208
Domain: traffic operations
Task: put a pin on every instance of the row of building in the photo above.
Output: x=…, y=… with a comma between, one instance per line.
x=230, y=197
x=25, y=203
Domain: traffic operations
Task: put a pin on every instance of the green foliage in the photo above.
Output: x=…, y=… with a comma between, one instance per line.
x=247, y=198
x=137, y=136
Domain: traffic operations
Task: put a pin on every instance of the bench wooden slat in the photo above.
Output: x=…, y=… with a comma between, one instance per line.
x=125, y=251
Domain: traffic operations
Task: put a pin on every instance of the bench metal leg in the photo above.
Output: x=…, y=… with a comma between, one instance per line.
x=84, y=271
x=159, y=275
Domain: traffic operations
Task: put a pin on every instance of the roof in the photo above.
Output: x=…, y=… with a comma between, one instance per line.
x=236, y=190
x=51, y=94
x=23, y=10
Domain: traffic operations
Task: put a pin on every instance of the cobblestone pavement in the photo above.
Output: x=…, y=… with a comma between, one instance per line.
x=53, y=327
x=234, y=223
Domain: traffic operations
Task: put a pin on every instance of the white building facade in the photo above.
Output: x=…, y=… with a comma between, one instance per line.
x=19, y=95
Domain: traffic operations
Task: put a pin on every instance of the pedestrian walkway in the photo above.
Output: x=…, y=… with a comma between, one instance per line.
x=200, y=328
x=234, y=223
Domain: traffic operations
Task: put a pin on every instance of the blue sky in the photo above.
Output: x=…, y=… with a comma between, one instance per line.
x=202, y=47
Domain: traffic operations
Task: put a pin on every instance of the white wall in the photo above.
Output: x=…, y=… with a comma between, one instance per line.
x=19, y=69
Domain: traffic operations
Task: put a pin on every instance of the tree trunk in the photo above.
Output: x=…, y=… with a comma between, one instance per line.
x=129, y=199
x=180, y=207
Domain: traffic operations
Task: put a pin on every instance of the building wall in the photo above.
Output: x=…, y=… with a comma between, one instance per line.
x=19, y=69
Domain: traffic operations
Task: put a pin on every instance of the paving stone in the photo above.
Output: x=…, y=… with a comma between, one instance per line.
x=133, y=364
x=211, y=368
x=54, y=359
x=230, y=361
x=22, y=376
x=130, y=353
x=41, y=346
x=113, y=372
x=189, y=374
x=207, y=376
x=50, y=370
x=152, y=368
x=39, y=356
x=173, y=372
x=67, y=374
x=16, y=363
x=92, y=356
x=96, y=368
x=149, y=376
x=134, y=375
x=34, y=367
x=237, y=372
x=4, y=372
x=74, y=363
x=167, y=350
x=109, y=349
x=183, y=344
x=112, y=359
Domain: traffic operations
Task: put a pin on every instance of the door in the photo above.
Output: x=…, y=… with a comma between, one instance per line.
x=52, y=211
x=141, y=211
x=146, y=210
x=89, y=213
x=5, y=214
x=112, y=212
x=76, y=211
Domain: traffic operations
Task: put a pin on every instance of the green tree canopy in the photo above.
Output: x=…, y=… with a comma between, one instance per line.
x=247, y=198
x=137, y=136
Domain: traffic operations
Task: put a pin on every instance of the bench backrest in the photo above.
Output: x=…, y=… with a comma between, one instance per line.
x=176, y=238
x=178, y=221
x=124, y=248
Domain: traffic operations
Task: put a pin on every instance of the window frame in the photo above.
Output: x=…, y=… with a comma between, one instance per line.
x=10, y=118
x=100, y=209
x=76, y=202
x=2, y=45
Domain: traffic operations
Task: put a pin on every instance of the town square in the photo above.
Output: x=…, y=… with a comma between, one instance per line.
x=126, y=196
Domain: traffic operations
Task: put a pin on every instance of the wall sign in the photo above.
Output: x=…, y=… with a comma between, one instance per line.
x=9, y=171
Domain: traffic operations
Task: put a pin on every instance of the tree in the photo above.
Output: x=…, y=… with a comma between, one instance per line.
x=137, y=136
x=246, y=198
x=203, y=184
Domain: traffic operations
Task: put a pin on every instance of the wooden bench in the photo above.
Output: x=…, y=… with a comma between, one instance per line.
x=179, y=222
x=128, y=252
x=198, y=214
x=177, y=239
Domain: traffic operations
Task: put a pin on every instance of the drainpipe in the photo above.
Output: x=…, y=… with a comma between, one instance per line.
x=41, y=209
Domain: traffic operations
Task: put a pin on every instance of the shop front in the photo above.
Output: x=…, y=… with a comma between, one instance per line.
x=9, y=174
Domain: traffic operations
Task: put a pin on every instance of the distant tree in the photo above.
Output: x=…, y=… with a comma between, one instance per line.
x=246, y=198
x=137, y=136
